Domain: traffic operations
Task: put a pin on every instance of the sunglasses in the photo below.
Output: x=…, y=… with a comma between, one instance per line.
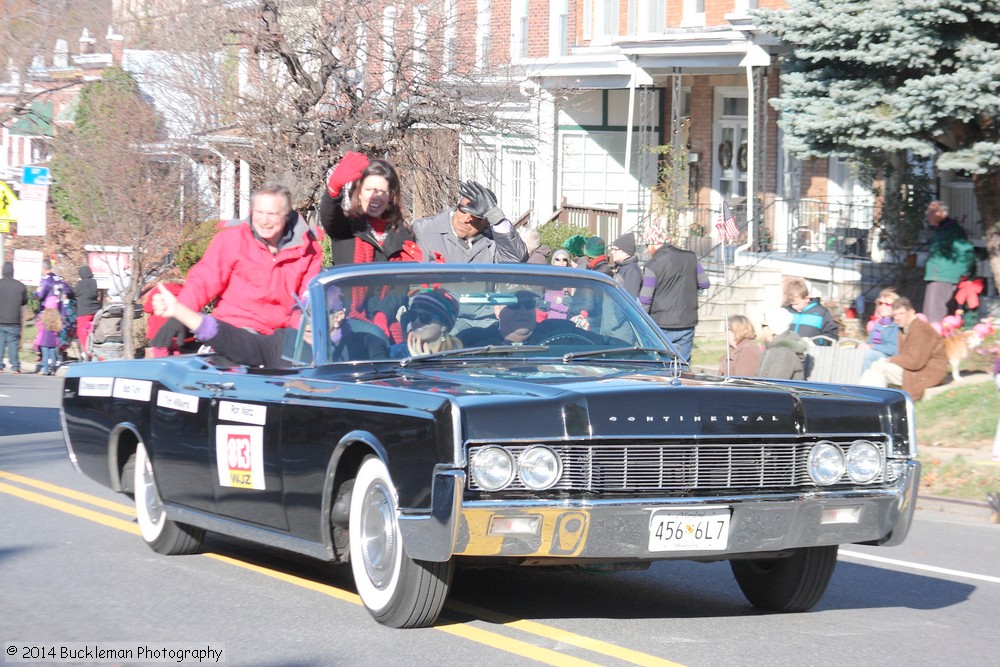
x=561, y=259
x=420, y=317
x=526, y=304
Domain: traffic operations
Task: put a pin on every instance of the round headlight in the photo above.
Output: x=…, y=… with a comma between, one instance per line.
x=826, y=463
x=539, y=467
x=492, y=468
x=864, y=462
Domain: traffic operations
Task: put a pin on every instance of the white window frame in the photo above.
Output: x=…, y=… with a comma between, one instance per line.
x=484, y=17
x=558, y=28
x=420, y=36
x=450, y=37
x=388, y=48
x=694, y=13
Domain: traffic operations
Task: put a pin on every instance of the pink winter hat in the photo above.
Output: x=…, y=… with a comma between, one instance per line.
x=51, y=301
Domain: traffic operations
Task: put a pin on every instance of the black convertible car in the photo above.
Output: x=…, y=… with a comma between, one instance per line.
x=425, y=417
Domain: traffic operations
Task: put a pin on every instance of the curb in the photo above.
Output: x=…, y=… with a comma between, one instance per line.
x=972, y=509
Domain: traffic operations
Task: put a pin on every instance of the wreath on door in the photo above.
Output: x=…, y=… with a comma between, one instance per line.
x=741, y=158
x=726, y=154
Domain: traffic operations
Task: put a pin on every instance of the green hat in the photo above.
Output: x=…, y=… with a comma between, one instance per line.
x=594, y=247
x=574, y=244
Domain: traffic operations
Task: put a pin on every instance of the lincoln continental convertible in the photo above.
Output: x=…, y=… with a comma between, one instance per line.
x=424, y=417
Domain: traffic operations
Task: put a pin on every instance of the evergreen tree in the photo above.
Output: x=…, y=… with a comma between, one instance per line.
x=866, y=77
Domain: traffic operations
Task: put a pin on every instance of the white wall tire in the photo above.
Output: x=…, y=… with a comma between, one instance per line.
x=396, y=590
x=160, y=533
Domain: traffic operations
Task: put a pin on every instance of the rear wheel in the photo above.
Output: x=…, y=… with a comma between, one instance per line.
x=788, y=584
x=398, y=591
x=163, y=535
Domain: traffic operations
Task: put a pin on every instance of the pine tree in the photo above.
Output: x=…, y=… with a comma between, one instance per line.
x=872, y=76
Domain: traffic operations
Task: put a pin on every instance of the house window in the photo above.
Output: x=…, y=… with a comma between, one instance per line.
x=388, y=48
x=646, y=16
x=588, y=18
x=694, y=13
x=519, y=30
x=450, y=35
x=483, y=17
x=559, y=29
x=420, y=36
x=743, y=6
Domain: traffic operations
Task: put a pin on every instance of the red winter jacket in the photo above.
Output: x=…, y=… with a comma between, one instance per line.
x=255, y=289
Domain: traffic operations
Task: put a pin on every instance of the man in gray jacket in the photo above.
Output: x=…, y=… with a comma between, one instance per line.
x=13, y=297
x=474, y=232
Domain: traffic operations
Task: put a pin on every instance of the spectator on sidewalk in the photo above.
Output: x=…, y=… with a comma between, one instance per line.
x=809, y=317
x=921, y=363
x=88, y=302
x=626, y=264
x=784, y=350
x=742, y=349
x=883, y=332
x=13, y=298
x=670, y=295
x=949, y=259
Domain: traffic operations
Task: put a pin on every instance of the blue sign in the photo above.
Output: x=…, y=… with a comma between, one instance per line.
x=35, y=176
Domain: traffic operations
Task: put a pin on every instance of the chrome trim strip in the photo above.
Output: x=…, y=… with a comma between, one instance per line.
x=243, y=531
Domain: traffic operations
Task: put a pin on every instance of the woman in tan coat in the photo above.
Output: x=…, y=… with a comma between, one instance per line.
x=744, y=352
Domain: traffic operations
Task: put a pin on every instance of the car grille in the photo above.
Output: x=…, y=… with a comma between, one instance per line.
x=683, y=466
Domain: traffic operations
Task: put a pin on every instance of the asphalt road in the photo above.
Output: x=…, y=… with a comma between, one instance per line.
x=73, y=569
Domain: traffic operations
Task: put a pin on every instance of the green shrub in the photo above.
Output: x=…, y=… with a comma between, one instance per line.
x=195, y=245
x=554, y=233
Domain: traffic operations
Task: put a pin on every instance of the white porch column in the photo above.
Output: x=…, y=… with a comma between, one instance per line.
x=227, y=187
x=244, y=189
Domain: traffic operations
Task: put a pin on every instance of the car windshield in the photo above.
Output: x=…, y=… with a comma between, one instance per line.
x=419, y=312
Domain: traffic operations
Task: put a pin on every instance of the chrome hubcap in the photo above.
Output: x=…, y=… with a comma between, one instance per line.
x=150, y=497
x=378, y=536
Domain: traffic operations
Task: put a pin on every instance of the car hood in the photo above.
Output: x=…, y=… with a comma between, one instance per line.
x=570, y=400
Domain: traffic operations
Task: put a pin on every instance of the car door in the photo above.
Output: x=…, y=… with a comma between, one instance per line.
x=245, y=451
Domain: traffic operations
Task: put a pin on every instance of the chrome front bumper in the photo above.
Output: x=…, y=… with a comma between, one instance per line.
x=619, y=529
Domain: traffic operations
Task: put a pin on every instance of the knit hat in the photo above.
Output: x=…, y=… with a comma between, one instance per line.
x=594, y=247
x=574, y=244
x=778, y=320
x=437, y=303
x=625, y=243
x=561, y=252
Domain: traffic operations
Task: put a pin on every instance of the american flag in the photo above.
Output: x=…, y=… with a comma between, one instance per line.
x=727, y=223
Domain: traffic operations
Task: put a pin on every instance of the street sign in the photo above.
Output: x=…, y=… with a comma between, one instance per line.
x=7, y=201
x=35, y=176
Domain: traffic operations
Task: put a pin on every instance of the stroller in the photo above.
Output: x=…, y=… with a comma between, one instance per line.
x=107, y=339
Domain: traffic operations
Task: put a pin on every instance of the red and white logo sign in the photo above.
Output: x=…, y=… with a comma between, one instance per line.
x=239, y=452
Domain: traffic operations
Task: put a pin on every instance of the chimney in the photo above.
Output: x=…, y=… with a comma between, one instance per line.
x=86, y=43
x=60, y=55
x=116, y=44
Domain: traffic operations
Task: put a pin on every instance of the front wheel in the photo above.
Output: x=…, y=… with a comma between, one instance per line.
x=163, y=535
x=790, y=584
x=397, y=591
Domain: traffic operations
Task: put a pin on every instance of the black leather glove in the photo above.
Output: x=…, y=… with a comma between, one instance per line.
x=171, y=330
x=482, y=202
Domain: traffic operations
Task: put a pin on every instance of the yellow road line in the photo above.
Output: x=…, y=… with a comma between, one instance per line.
x=127, y=510
x=62, y=506
x=566, y=637
x=464, y=630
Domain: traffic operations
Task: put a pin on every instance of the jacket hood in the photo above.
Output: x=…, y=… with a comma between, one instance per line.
x=85, y=272
x=792, y=341
x=8, y=270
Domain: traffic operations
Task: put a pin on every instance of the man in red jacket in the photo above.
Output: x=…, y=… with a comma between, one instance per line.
x=255, y=268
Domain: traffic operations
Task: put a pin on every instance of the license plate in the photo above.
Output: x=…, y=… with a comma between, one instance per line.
x=689, y=530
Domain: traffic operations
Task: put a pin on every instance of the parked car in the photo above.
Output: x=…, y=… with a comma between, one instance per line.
x=585, y=442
